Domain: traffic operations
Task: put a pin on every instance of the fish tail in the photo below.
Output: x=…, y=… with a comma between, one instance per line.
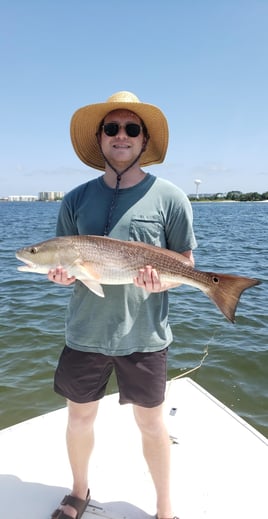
x=225, y=292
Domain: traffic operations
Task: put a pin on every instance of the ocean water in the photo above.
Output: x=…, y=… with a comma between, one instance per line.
x=229, y=360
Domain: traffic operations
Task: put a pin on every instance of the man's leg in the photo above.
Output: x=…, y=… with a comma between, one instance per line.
x=80, y=442
x=156, y=450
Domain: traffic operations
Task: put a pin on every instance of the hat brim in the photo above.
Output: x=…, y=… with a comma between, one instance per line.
x=85, y=124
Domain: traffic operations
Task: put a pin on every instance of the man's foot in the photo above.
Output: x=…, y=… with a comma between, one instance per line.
x=72, y=507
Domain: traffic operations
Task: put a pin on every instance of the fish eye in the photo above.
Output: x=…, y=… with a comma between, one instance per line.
x=33, y=250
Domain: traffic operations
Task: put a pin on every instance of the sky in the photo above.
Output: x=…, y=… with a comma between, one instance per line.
x=202, y=62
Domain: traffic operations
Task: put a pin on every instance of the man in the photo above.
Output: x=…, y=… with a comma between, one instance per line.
x=119, y=137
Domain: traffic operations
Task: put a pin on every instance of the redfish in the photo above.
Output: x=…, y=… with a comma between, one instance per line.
x=98, y=260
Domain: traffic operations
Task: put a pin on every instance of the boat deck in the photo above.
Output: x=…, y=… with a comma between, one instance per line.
x=219, y=463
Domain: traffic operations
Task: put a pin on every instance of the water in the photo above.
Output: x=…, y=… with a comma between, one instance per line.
x=232, y=237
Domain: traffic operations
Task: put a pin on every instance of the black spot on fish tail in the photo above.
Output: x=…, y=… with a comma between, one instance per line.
x=225, y=291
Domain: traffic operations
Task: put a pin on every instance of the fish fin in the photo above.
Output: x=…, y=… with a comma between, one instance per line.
x=92, y=285
x=87, y=269
x=226, y=290
x=88, y=276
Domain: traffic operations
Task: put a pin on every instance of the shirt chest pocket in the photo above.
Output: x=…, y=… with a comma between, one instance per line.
x=148, y=229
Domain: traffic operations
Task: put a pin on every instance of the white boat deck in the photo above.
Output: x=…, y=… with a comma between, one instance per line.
x=219, y=463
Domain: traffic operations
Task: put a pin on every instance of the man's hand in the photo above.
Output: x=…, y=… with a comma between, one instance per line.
x=60, y=275
x=148, y=279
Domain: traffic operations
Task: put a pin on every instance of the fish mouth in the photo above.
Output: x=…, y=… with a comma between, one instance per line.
x=26, y=264
x=25, y=267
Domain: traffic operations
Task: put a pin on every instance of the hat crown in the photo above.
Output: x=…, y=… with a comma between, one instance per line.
x=123, y=97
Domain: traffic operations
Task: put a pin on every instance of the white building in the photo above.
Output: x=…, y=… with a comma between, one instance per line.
x=48, y=196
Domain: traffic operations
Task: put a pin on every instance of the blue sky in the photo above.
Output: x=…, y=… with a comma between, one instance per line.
x=203, y=62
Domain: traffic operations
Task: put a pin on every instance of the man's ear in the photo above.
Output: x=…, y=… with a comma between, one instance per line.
x=145, y=142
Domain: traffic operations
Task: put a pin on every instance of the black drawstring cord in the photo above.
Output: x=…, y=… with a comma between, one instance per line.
x=112, y=206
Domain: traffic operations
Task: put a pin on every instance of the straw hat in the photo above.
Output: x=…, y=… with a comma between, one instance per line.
x=85, y=124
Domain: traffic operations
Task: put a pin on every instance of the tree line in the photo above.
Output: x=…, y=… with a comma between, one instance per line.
x=236, y=196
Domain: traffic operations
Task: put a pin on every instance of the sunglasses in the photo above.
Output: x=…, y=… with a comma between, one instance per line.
x=131, y=129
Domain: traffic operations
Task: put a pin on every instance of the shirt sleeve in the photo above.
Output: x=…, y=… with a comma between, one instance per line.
x=180, y=234
x=66, y=224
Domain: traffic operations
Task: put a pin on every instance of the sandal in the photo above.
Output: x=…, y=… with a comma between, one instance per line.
x=78, y=504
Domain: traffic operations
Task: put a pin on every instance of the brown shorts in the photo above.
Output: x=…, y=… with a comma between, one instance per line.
x=82, y=377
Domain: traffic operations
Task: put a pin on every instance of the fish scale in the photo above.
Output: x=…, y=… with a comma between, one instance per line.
x=132, y=257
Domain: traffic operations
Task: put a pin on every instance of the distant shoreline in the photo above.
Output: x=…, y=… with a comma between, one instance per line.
x=205, y=200
x=192, y=200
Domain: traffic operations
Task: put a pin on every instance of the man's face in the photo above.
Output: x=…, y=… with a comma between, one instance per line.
x=121, y=149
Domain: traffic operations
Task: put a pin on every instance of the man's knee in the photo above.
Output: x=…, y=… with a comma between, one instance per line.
x=149, y=420
x=82, y=415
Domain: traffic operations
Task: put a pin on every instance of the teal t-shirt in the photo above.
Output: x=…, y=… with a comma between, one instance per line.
x=128, y=319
